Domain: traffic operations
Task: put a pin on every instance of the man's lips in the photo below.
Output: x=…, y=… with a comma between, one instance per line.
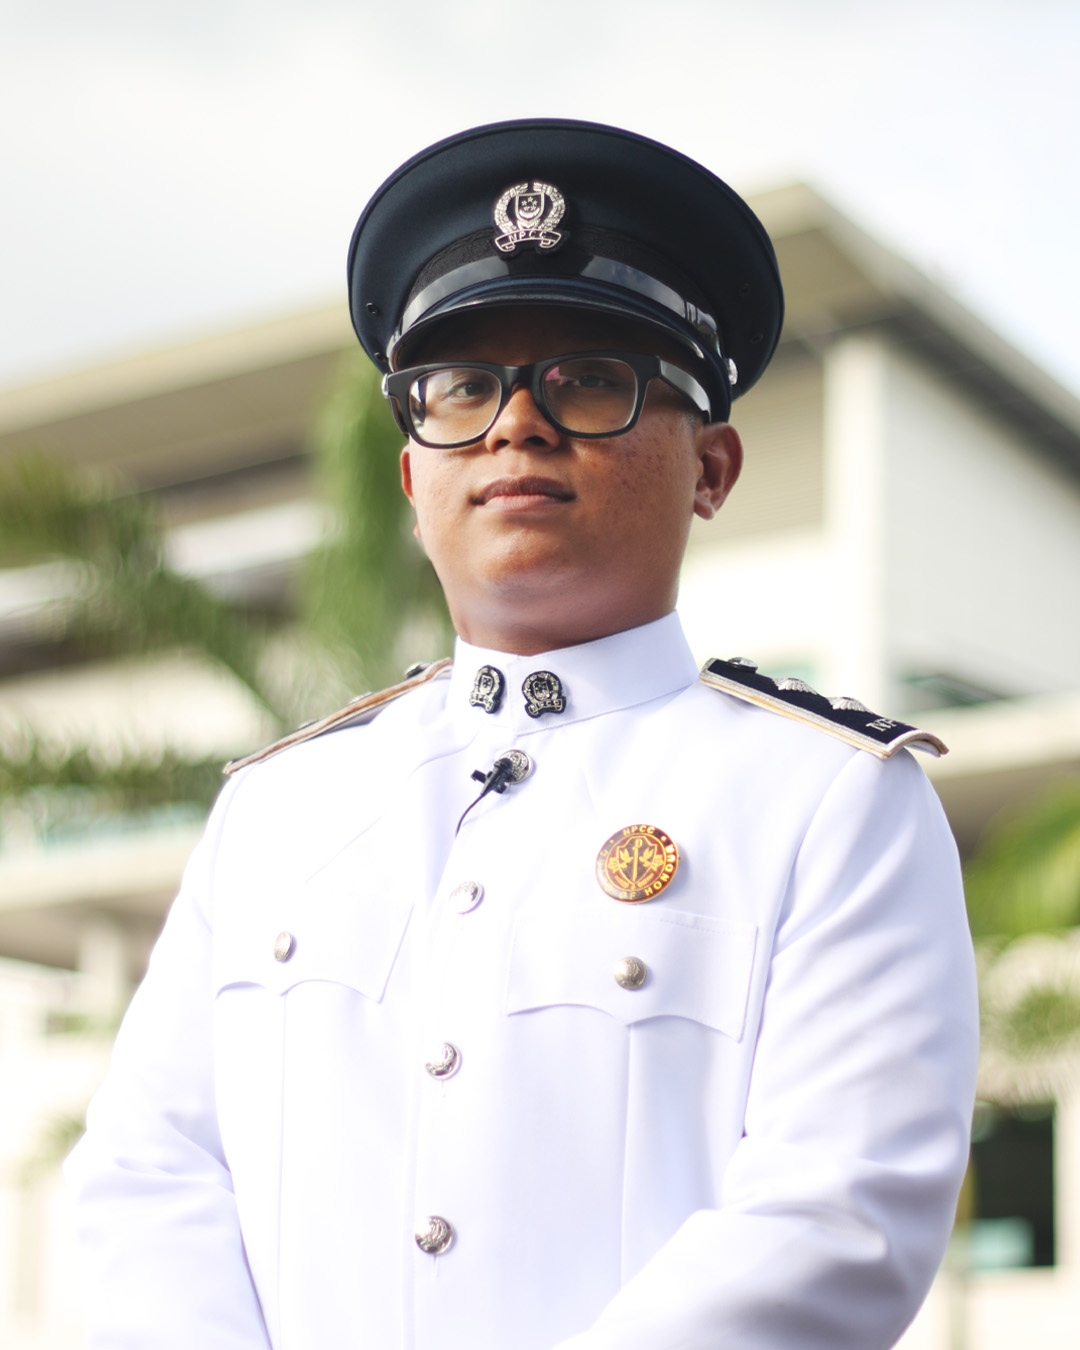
x=508, y=492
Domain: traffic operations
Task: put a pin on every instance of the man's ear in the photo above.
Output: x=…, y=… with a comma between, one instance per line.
x=720, y=453
x=407, y=487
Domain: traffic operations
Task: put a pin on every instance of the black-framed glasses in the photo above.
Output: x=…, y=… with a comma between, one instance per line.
x=585, y=394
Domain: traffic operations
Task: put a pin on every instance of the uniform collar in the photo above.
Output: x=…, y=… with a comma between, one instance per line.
x=612, y=673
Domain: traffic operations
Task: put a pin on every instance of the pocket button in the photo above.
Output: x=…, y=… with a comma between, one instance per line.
x=630, y=972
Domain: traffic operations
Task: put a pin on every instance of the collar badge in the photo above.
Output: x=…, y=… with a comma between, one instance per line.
x=487, y=689
x=527, y=213
x=543, y=693
x=636, y=863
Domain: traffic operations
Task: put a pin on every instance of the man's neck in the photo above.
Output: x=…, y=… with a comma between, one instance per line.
x=525, y=633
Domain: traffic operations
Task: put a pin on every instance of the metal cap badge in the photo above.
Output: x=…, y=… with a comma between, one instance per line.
x=637, y=863
x=527, y=213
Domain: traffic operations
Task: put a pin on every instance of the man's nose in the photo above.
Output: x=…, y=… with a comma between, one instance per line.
x=521, y=423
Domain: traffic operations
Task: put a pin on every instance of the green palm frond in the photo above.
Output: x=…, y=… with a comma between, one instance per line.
x=1025, y=877
x=1044, y=1018
x=367, y=585
x=124, y=597
x=1023, y=897
x=371, y=577
x=49, y=509
x=130, y=783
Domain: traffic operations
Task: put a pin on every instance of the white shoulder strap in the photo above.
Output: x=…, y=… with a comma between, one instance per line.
x=351, y=712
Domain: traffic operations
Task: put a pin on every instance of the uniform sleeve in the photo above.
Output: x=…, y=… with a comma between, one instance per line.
x=838, y=1202
x=164, y=1264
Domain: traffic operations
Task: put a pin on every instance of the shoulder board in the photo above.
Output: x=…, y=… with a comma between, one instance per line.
x=350, y=713
x=844, y=717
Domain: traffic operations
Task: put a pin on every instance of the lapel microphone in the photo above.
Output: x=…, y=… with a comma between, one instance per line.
x=510, y=767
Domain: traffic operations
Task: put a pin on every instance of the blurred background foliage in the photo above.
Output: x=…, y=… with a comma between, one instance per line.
x=365, y=594
x=369, y=592
x=1023, y=894
x=1026, y=876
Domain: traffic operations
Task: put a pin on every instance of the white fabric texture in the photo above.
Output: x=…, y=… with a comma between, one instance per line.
x=759, y=1149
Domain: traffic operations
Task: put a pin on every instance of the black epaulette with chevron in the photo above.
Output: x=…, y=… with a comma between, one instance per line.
x=352, y=712
x=844, y=717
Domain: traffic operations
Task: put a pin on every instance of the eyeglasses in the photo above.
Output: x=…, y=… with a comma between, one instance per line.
x=586, y=394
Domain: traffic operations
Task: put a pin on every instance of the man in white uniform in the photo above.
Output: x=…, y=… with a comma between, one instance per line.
x=558, y=998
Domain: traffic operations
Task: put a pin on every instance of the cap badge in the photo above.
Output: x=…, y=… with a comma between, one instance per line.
x=527, y=213
x=543, y=693
x=636, y=863
x=487, y=690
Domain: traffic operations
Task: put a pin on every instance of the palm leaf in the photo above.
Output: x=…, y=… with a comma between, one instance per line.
x=370, y=587
x=131, y=783
x=126, y=599
x=1025, y=877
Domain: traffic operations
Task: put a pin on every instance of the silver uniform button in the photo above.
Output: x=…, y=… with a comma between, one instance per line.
x=434, y=1235
x=630, y=972
x=520, y=764
x=446, y=1062
x=466, y=896
x=284, y=945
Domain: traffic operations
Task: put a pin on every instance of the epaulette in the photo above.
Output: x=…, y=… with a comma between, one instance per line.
x=844, y=717
x=414, y=677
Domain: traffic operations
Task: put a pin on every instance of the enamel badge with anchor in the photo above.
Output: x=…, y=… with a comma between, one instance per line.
x=636, y=863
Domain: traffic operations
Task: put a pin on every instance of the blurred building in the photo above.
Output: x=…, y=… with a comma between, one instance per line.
x=907, y=530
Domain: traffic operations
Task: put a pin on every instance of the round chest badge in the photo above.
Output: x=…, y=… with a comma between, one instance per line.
x=636, y=863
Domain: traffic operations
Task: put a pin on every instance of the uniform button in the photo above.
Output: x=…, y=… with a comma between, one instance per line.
x=630, y=972
x=284, y=945
x=520, y=764
x=434, y=1235
x=446, y=1062
x=466, y=896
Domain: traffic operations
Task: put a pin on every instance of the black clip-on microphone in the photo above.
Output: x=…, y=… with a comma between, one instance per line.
x=498, y=780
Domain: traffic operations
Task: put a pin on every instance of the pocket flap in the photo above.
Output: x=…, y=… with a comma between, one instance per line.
x=345, y=927
x=698, y=967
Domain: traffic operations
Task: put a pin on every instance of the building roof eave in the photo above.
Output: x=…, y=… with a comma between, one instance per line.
x=852, y=280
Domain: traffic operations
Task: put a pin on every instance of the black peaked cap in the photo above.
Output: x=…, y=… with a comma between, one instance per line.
x=621, y=224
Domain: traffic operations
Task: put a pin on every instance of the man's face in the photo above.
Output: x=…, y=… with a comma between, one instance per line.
x=540, y=540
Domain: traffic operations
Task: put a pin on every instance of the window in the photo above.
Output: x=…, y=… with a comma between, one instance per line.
x=1012, y=1158
x=935, y=689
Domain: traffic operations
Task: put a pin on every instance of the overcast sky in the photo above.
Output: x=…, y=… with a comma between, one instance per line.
x=172, y=167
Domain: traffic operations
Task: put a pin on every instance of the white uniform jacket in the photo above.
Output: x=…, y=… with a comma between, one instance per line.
x=759, y=1148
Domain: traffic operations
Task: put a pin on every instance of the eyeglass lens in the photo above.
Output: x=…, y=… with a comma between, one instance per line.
x=591, y=395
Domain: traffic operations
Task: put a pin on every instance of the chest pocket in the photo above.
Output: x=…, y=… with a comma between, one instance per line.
x=696, y=967
x=344, y=926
